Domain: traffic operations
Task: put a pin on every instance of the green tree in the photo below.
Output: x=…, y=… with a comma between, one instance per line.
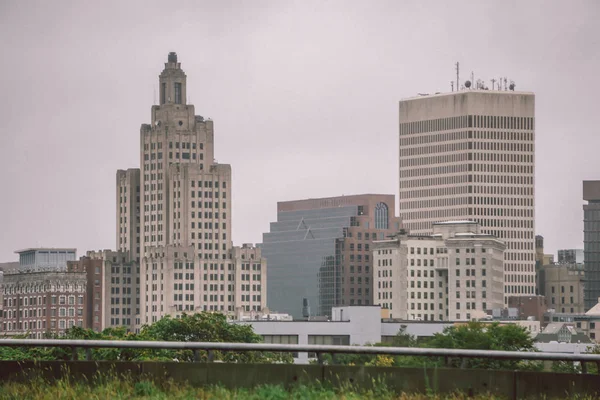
x=479, y=336
x=200, y=327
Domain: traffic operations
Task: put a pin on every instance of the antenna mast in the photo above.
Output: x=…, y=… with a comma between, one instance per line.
x=457, y=76
x=452, y=85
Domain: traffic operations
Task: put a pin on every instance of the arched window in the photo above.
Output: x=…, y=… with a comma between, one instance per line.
x=381, y=216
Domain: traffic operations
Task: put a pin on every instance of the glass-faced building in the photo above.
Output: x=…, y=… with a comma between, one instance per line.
x=591, y=243
x=319, y=249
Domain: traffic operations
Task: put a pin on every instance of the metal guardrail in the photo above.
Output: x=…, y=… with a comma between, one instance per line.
x=319, y=350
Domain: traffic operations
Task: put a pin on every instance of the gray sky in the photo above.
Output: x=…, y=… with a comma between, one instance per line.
x=304, y=95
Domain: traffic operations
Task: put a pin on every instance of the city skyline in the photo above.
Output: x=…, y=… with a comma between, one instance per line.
x=88, y=104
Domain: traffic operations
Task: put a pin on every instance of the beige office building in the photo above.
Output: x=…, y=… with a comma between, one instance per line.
x=185, y=245
x=469, y=155
x=128, y=213
x=454, y=274
x=563, y=286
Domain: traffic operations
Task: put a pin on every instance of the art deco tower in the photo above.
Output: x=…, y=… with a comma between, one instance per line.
x=186, y=257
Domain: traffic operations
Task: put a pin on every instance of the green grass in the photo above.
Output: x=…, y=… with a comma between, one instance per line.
x=127, y=388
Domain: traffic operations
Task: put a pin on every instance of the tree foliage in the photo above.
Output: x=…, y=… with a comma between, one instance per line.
x=473, y=335
x=200, y=327
x=479, y=336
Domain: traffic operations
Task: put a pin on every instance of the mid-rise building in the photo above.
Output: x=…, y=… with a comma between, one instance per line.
x=42, y=296
x=591, y=242
x=454, y=274
x=570, y=256
x=113, y=289
x=563, y=287
x=93, y=298
x=43, y=301
x=320, y=250
x=470, y=155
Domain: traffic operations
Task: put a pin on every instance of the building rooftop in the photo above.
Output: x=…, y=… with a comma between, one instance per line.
x=466, y=91
x=65, y=249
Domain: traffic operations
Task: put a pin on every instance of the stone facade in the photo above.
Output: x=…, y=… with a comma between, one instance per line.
x=469, y=155
x=564, y=287
x=128, y=213
x=116, y=286
x=42, y=302
x=184, y=218
x=454, y=274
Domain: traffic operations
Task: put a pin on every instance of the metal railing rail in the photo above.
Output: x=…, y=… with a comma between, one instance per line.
x=319, y=350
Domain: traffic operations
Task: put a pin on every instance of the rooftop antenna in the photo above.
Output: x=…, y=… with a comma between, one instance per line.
x=505, y=84
x=493, y=82
x=452, y=85
x=457, y=75
x=472, y=77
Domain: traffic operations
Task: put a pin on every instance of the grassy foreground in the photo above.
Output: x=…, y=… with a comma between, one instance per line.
x=128, y=389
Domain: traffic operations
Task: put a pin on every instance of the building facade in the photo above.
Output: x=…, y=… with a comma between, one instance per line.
x=570, y=256
x=128, y=213
x=91, y=268
x=454, y=274
x=469, y=155
x=591, y=242
x=320, y=250
x=114, y=290
x=563, y=287
x=182, y=231
x=41, y=302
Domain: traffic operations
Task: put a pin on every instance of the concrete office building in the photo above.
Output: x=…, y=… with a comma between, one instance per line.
x=454, y=274
x=114, y=290
x=591, y=242
x=469, y=155
x=319, y=249
x=563, y=287
x=184, y=210
x=93, y=297
x=128, y=213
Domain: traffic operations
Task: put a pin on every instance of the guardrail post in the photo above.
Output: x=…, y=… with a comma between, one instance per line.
x=463, y=363
x=196, y=355
x=583, y=367
x=211, y=355
x=88, y=354
x=320, y=358
x=598, y=366
x=74, y=353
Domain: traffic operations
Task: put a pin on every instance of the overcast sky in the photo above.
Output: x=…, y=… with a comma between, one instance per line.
x=304, y=97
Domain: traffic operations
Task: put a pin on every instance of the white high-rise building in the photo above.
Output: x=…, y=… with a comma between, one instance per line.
x=187, y=261
x=470, y=155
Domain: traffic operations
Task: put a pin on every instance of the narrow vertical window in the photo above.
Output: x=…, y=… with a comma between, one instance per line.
x=177, y=93
x=381, y=216
x=163, y=93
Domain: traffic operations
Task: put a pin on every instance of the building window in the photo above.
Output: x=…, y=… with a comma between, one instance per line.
x=381, y=216
x=177, y=93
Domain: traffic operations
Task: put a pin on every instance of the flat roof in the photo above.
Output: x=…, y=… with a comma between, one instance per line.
x=63, y=249
x=464, y=91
